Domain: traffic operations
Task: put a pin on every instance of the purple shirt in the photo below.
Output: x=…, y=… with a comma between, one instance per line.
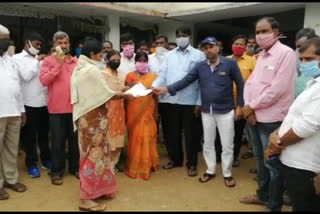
x=269, y=91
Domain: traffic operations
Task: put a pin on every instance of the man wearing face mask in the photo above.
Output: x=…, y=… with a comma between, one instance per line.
x=127, y=63
x=246, y=65
x=183, y=109
x=78, y=49
x=251, y=45
x=55, y=73
x=34, y=94
x=297, y=139
x=11, y=117
x=107, y=46
x=301, y=37
x=268, y=94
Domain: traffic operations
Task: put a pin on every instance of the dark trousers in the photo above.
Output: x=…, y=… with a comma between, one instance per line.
x=238, y=133
x=61, y=126
x=164, y=121
x=181, y=117
x=36, y=130
x=299, y=184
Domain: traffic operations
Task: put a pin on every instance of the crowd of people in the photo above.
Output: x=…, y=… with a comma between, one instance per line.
x=77, y=107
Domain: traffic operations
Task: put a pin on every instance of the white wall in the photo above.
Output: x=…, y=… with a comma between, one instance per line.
x=113, y=33
x=312, y=16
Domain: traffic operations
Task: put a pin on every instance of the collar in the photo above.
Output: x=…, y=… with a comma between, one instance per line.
x=123, y=56
x=221, y=60
x=187, y=49
x=241, y=57
x=273, y=49
x=71, y=60
x=25, y=54
x=317, y=79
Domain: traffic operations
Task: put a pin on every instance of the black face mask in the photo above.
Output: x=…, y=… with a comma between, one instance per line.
x=113, y=65
x=4, y=45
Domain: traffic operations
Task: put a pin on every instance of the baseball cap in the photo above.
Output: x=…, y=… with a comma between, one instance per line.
x=209, y=40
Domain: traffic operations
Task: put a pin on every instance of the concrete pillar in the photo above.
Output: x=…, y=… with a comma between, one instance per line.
x=312, y=17
x=113, y=32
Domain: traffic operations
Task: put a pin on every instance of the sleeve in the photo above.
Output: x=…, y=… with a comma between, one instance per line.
x=308, y=123
x=192, y=76
x=199, y=101
x=26, y=72
x=237, y=78
x=279, y=84
x=161, y=79
x=48, y=73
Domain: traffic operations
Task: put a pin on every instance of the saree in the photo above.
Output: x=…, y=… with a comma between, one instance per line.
x=142, y=155
x=89, y=96
x=115, y=115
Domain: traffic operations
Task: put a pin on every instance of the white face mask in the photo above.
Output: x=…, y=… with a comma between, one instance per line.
x=11, y=50
x=33, y=50
x=160, y=51
x=183, y=42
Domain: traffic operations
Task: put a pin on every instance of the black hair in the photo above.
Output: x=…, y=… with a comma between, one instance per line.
x=107, y=41
x=143, y=43
x=140, y=54
x=91, y=45
x=251, y=36
x=306, y=32
x=173, y=43
x=126, y=37
x=311, y=42
x=112, y=53
x=32, y=36
x=183, y=29
x=161, y=36
x=273, y=22
x=240, y=37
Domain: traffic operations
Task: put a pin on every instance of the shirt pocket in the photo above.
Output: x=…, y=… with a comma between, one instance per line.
x=267, y=75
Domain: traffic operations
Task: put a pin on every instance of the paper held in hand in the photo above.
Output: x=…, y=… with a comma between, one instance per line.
x=138, y=90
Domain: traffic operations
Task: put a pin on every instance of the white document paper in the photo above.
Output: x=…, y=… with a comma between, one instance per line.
x=138, y=90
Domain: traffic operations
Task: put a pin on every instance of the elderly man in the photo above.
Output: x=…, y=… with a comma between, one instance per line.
x=34, y=94
x=298, y=137
x=11, y=117
x=55, y=73
x=268, y=94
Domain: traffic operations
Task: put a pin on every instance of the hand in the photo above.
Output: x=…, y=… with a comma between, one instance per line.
x=124, y=89
x=247, y=110
x=252, y=120
x=118, y=96
x=316, y=184
x=238, y=114
x=274, y=143
x=23, y=119
x=160, y=90
x=197, y=111
x=268, y=153
x=129, y=97
x=41, y=57
x=156, y=116
x=60, y=55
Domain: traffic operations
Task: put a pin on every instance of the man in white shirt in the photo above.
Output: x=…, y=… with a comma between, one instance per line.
x=11, y=118
x=127, y=63
x=298, y=137
x=156, y=59
x=35, y=101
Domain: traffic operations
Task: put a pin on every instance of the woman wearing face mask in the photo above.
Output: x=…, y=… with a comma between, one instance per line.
x=91, y=97
x=116, y=110
x=142, y=156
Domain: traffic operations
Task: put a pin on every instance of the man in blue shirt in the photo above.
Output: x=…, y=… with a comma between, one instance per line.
x=216, y=76
x=181, y=111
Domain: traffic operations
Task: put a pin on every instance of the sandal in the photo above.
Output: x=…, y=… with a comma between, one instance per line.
x=17, y=187
x=192, y=171
x=206, y=177
x=97, y=208
x=247, y=155
x=229, y=181
x=3, y=194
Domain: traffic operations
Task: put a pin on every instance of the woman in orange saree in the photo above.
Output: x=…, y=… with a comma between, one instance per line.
x=142, y=155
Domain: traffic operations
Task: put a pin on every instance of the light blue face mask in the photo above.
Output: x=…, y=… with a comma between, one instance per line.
x=251, y=49
x=310, y=69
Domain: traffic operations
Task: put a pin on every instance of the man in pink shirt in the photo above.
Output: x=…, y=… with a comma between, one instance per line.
x=55, y=73
x=268, y=94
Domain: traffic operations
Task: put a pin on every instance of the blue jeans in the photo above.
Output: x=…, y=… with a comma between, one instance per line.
x=269, y=177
